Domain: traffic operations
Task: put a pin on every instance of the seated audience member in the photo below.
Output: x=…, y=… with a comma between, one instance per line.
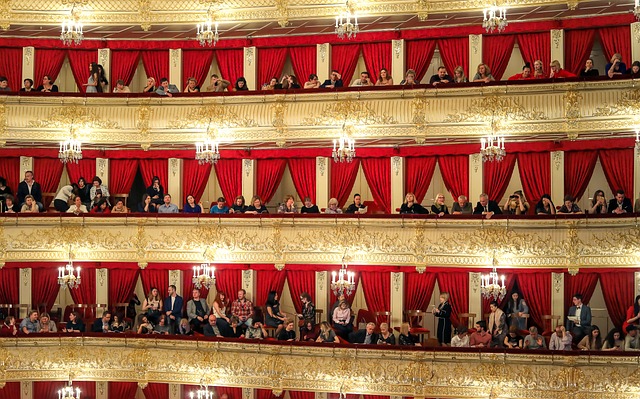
x=117, y=325
x=211, y=329
x=190, y=206
x=99, y=197
x=458, y=75
x=569, y=206
x=332, y=207
x=461, y=337
x=409, y=78
x=327, y=334
x=335, y=80
x=633, y=315
x=558, y=72
x=145, y=326
x=162, y=327
x=591, y=342
x=341, y=317
x=439, y=207
x=220, y=308
x=85, y=191
x=497, y=325
x=9, y=205
x=599, y=203
x=634, y=71
x=9, y=328
x=516, y=205
x=480, y=338
x=75, y=324
x=184, y=328
x=538, y=71
x=620, y=204
x=308, y=332
x=288, y=205
x=156, y=191
x=4, y=189
x=364, y=80
x=411, y=206
x=147, y=205
x=256, y=331
x=524, y=75
x=365, y=335
x=238, y=206
x=274, y=317
x=121, y=88
x=101, y=325
x=462, y=206
x=28, y=85
x=632, y=340
x=166, y=89
x=486, y=207
x=66, y=193
x=256, y=207
x=220, y=206
x=406, y=338
x=30, y=187
x=309, y=207
x=78, y=207
x=98, y=187
x=545, y=206
x=197, y=311
x=560, y=340
x=578, y=318
x=313, y=82
x=534, y=340
x=192, y=86
x=483, y=74
x=357, y=205
x=241, y=84
x=512, y=340
x=386, y=336
x=46, y=324
x=152, y=305
x=384, y=79
x=290, y=82
x=151, y=85
x=234, y=330
x=168, y=207
x=119, y=207
x=588, y=70
x=242, y=308
x=47, y=85
x=101, y=207
x=616, y=66
x=272, y=85
x=217, y=84
x=288, y=333
x=4, y=84
x=614, y=341
x=308, y=314
x=440, y=77
x=516, y=310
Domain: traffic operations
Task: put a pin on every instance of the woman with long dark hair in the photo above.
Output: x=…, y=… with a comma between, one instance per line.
x=591, y=342
x=614, y=341
x=274, y=317
x=545, y=206
x=633, y=315
x=93, y=82
x=515, y=310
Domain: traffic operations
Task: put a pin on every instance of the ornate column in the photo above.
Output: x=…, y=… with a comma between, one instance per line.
x=635, y=41
x=557, y=46
x=24, y=292
x=322, y=293
x=248, y=283
x=397, y=66
x=320, y=395
x=636, y=283
x=175, y=391
x=26, y=390
x=175, y=278
x=28, y=65
x=248, y=171
x=475, y=296
x=102, y=170
x=102, y=286
x=175, y=68
x=247, y=393
x=397, y=182
x=251, y=68
x=475, y=54
x=102, y=388
x=397, y=298
x=104, y=59
x=174, y=181
x=475, y=177
x=557, y=295
x=322, y=182
x=557, y=177
x=636, y=169
x=26, y=163
x=323, y=61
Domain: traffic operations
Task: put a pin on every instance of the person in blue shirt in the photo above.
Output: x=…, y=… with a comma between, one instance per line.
x=220, y=207
x=190, y=206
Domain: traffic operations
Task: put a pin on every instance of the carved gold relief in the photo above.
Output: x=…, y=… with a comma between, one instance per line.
x=213, y=115
x=629, y=104
x=349, y=110
x=501, y=107
x=73, y=116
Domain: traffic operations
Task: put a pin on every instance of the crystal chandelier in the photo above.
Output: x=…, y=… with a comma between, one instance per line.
x=203, y=276
x=494, y=18
x=343, y=281
x=205, y=35
x=207, y=152
x=492, y=148
x=71, y=33
x=67, y=278
x=491, y=287
x=69, y=393
x=344, y=149
x=347, y=23
x=202, y=393
x=70, y=151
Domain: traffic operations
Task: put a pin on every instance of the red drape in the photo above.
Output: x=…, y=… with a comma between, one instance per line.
x=194, y=178
x=535, y=175
x=617, y=165
x=303, y=60
x=618, y=292
x=266, y=281
x=303, y=174
x=270, y=63
x=231, y=64
x=267, y=394
x=79, y=60
x=536, y=289
x=344, y=59
x=583, y=283
x=155, y=278
x=455, y=174
x=232, y=393
x=9, y=283
x=11, y=67
x=616, y=40
x=343, y=176
x=122, y=284
x=536, y=46
x=496, y=52
x=419, y=54
x=10, y=170
x=121, y=175
x=377, y=56
x=49, y=171
x=156, y=391
x=196, y=64
x=123, y=65
x=455, y=52
x=301, y=281
x=418, y=288
x=86, y=291
x=229, y=174
x=301, y=395
x=419, y=172
x=49, y=389
x=11, y=390
x=155, y=167
x=377, y=171
x=84, y=168
x=578, y=169
x=156, y=64
x=44, y=286
x=457, y=285
x=229, y=281
x=577, y=48
x=268, y=177
x=122, y=390
x=497, y=176
x=48, y=62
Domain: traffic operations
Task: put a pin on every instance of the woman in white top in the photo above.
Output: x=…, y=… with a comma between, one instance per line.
x=220, y=305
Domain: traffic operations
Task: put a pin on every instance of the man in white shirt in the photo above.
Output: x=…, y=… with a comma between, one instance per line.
x=363, y=81
x=167, y=207
x=578, y=319
x=461, y=339
x=560, y=340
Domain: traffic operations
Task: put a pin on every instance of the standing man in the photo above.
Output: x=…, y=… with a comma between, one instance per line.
x=242, y=308
x=30, y=187
x=197, y=311
x=173, y=308
x=579, y=319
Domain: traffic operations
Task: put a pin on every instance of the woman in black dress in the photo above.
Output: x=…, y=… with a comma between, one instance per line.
x=443, y=313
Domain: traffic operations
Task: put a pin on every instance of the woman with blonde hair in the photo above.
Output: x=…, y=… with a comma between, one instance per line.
x=443, y=313
x=406, y=338
x=151, y=85
x=538, y=70
x=483, y=74
x=332, y=206
x=439, y=207
x=616, y=66
x=411, y=206
x=409, y=78
x=458, y=75
x=152, y=305
x=327, y=334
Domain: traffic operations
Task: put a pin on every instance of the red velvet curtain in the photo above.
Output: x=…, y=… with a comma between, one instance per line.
x=229, y=174
x=267, y=394
x=121, y=175
x=49, y=172
x=303, y=60
x=578, y=169
x=9, y=284
x=11, y=67
x=577, y=48
x=455, y=174
x=268, y=177
x=232, y=393
x=122, y=390
x=155, y=278
x=344, y=59
x=11, y=390
x=79, y=60
x=266, y=281
x=376, y=287
x=194, y=178
x=303, y=174
x=419, y=172
x=583, y=283
x=49, y=389
x=536, y=46
x=10, y=170
x=231, y=64
x=270, y=63
x=457, y=285
x=536, y=289
x=616, y=39
x=123, y=65
x=455, y=52
x=535, y=175
x=229, y=281
x=496, y=52
x=156, y=391
x=301, y=395
x=497, y=176
x=86, y=291
x=343, y=176
x=48, y=62
x=377, y=171
x=617, y=165
x=418, y=288
x=155, y=167
x=618, y=291
x=301, y=281
x=196, y=64
x=84, y=168
x=419, y=54
x=44, y=285
x=377, y=56
x=156, y=64
x=122, y=284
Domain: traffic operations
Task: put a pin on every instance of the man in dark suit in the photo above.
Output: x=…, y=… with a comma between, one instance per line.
x=101, y=325
x=30, y=186
x=365, y=336
x=487, y=207
x=620, y=204
x=334, y=81
x=173, y=308
x=579, y=319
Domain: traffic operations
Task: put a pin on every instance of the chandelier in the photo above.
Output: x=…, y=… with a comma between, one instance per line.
x=70, y=151
x=491, y=287
x=203, y=276
x=71, y=32
x=495, y=18
x=205, y=35
x=347, y=23
x=202, y=393
x=67, y=278
x=343, y=281
x=344, y=149
x=492, y=148
x=69, y=393
x=207, y=152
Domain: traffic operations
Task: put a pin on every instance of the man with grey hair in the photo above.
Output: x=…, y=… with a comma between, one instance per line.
x=486, y=207
x=366, y=335
x=462, y=206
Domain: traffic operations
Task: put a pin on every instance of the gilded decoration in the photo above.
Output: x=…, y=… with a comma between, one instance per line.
x=350, y=110
x=629, y=105
x=500, y=107
x=73, y=116
x=213, y=115
x=572, y=114
x=556, y=37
